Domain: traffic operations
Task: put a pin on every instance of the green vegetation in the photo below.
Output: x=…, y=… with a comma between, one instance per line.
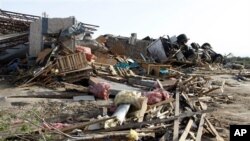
x=23, y=122
x=240, y=60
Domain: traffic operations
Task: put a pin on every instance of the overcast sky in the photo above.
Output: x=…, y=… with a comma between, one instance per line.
x=225, y=24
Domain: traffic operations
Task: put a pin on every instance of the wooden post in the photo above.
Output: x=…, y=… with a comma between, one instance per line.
x=186, y=131
x=200, y=128
x=176, y=122
x=143, y=109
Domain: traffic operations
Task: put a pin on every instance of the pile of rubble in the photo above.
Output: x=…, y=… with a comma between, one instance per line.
x=155, y=86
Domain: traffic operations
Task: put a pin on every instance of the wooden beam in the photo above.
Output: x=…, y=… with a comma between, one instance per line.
x=159, y=83
x=186, y=131
x=176, y=122
x=200, y=128
x=79, y=88
x=218, y=137
x=210, y=90
x=83, y=125
x=170, y=100
x=156, y=121
x=202, y=119
x=165, y=136
x=143, y=109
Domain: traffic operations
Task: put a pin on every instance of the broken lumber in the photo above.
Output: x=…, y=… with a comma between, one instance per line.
x=209, y=124
x=218, y=137
x=112, y=70
x=83, y=125
x=200, y=127
x=161, y=103
x=186, y=131
x=57, y=95
x=79, y=88
x=105, y=135
x=210, y=90
x=155, y=121
x=143, y=109
x=176, y=122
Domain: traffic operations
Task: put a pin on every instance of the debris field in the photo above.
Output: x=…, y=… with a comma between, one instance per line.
x=111, y=88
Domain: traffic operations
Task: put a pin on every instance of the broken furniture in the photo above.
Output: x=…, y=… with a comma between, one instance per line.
x=156, y=68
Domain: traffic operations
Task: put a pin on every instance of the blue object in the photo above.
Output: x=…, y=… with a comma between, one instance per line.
x=164, y=71
x=127, y=65
x=13, y=65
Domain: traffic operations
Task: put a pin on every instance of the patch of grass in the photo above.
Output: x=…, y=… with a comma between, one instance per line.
x=5, y=122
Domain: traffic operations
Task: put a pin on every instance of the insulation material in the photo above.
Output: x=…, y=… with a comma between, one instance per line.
x=133, y=135
x=128, y=97
x=156, y=96
x=100, y=90
x=87, y=51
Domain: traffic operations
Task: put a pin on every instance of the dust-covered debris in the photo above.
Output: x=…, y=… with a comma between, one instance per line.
x=112, y=87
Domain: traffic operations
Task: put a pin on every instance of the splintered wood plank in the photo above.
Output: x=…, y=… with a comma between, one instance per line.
x=143, y=109
x=159, y=83
x=176, y=122
x=154, y=121
x=170, y=100
x=191, y=135
x=202, y=120
x=164, y=137
x=68, y=63
x=188, y=101
x=79, y=60
x=75, y=62
x=78, y=57
x=112, y=70
x=65, y=64
x=72, y=62
x=61, y=64
x=82, y=59
x=186, y=131
x=218, y=137
x=83, y=125
x=209, y=124
x=200, y=128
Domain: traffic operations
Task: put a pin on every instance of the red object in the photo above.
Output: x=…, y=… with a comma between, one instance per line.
x=156, y=96
x=55, y=125
x=87, y=51
x=100, y=90
x=112, y=108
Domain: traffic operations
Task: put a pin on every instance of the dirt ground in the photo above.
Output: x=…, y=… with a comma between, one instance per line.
x=235, y=111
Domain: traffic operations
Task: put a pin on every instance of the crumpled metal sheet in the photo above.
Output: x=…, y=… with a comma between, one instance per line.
x=156, y=50
x=74, y=30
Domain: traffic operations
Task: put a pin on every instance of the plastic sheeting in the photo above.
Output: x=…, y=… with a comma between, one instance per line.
x=75, y=29
x=156, y=96
x=100, y=90
x=87, y=51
